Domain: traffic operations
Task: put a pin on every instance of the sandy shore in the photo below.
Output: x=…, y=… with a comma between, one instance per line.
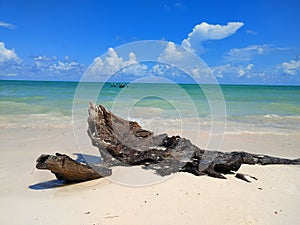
x=27, y=198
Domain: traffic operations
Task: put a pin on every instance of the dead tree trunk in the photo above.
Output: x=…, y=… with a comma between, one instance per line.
x=123, y=142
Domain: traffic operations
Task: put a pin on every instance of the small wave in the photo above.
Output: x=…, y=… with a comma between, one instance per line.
x=35, y=121
x=247, y=132
x=271, y=116
x=275, y=116
x=23, y=108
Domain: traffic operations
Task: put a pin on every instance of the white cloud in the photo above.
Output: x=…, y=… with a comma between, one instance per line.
x=172, y=54
x=7, y=25
x=195, y=72
x=136, y=69
x=242, y=71
x=236, y=71
x=64, y=67
x=292, y=67
x=160, y=69
x=42, y=64
x=132, y=59
x=175, y=55
x=38, y=67
x=42, y=58
x=166, y=70
x=102, y=68
x=204, y=31
x=111, y=64
x=7, y=55
x=247, y=53
x=186, y=61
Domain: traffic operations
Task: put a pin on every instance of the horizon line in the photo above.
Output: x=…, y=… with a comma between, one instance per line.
x=126, y=82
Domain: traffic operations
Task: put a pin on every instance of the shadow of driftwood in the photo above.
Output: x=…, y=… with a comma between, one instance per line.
x=82, y=158
x=48, y=185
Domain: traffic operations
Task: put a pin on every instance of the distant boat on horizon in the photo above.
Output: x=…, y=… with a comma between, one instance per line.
x=121, y=85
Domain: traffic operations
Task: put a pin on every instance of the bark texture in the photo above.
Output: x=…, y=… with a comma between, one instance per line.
x=65, y=168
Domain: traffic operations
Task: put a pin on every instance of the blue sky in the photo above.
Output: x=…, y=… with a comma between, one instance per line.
x=243, y=42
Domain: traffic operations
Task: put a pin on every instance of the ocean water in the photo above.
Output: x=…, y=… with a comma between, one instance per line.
x=241, y=108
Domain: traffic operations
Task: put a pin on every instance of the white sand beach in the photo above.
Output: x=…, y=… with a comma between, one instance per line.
x=27, y=198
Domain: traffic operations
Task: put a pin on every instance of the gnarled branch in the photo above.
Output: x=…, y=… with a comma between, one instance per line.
x=123, y=142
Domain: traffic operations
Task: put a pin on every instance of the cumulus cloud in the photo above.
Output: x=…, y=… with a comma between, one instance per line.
x=64, y=67
x=53, y=68
x=236, y=71
x=204, y=31
x=136, y=69
x=42, y=63
x=165, y=70
x=172, y=54
x=160, y=69
x=186, y=61
x=110, y=64
x=7, y=55
x=291, y=68
x=7, y=25
x=104, y=67
x=38, y=67
x=175, y=55
x=247, y=53
x=199, y=72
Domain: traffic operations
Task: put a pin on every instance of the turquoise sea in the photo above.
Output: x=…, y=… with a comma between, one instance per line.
x=246, y=108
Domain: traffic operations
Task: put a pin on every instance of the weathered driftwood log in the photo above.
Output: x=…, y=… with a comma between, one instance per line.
x=126, y=142
x=123, y=142
x=65, y=168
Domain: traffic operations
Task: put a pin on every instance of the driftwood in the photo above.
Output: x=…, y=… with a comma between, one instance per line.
x=123, y=142
x=65, y=168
